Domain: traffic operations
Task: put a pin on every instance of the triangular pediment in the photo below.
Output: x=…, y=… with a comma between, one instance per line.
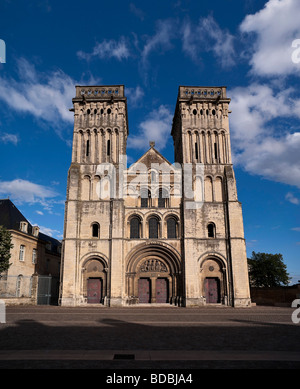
x=151, y=158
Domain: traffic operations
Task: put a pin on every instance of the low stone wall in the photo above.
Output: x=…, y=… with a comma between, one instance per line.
x=280, y=296
x=18, y=301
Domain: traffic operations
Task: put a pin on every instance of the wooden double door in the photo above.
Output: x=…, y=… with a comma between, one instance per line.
x=148, y=292
x=212, y=290
x=94, y=290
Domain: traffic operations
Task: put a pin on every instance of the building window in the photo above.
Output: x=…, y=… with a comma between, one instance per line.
x=18, y=286
x=24, y=226
x=145, y=198
x=95, y=230
x=172, y=228
x=153, y=176
x=162, y=198
x=135, y=227
x=34, y=256
x=87, y=151
x=153, y=228
x=35, y=231
x=22, y=253
x=216, y=150
x=196, y=151
x=211, y=230
x=108, y=148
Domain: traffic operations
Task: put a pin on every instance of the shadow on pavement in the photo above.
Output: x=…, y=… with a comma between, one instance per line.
x=113, y=334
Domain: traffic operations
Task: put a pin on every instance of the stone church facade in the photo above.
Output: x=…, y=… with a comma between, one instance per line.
x=153, y=232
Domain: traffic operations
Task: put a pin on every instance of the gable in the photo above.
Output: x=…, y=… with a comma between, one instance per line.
x=151, y=158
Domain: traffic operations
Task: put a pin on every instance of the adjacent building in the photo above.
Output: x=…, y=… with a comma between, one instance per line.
x=33, y=255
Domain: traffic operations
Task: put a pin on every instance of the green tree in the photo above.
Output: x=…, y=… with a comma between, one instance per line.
x=267, y=270
x=5, y=246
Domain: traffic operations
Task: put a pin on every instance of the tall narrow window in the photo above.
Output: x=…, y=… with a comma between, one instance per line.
x=171, y=228
x=145, y=198
x=22, y=253
x=196, y=151
x=162, y=198
x=135, y=225
x=87, y=152
x=153, y=177
x=34, y=256
x=153, y=228
x=211, y=230
x=95, y=230
x=216, y=151
x=108, y=148
x=19, y=283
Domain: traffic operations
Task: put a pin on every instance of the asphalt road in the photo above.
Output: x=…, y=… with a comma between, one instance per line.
x=39, y=337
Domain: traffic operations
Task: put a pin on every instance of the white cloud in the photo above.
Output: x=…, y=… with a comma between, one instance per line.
x=134, y=95
x=108, y=49
x=251, y=243
x=272, y=159
x=51, y=232
x=45, y=96
x=208, y=36
x=156, y=127
x=296, y=229
x=23, y=191
x=253, y=106
x=258, y=143
x=189, y=42
x=265, y=118
x=137, y=11
x=275, y=27
x=160, y=41
x=39, y=213
x=9, y=138
x=291, y=198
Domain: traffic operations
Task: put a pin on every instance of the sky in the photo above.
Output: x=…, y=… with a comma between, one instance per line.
x=252, y=47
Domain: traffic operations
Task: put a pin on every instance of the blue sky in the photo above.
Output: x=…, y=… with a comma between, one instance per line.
x=152, y=48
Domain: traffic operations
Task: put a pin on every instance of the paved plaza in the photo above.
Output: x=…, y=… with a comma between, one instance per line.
x=161, y=337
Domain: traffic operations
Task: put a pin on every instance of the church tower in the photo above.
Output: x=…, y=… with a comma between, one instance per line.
x=213, y=244
x=100, y=135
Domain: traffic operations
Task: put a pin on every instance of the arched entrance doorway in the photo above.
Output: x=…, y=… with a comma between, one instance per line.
x=212, y=290
x=213, y=281
x=154, y=275
x=94, y=277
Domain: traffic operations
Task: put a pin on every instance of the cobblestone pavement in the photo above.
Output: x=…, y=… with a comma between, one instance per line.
x=149, y=337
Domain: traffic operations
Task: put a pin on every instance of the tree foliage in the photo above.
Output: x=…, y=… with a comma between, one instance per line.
x=267, y=270
x=5, y=247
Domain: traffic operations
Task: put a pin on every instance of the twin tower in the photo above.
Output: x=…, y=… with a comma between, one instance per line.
x=153, y=232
